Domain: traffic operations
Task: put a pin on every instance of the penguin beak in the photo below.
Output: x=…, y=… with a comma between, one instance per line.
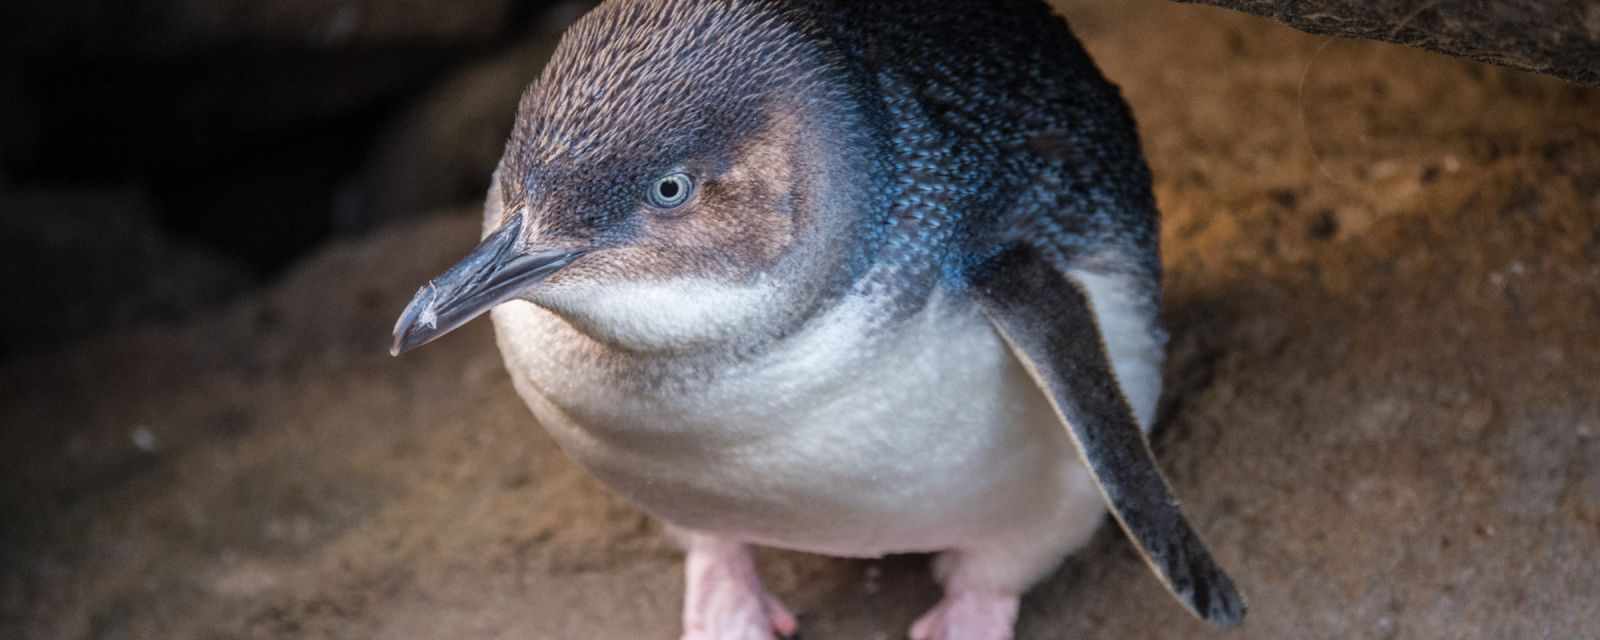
x=496, y=271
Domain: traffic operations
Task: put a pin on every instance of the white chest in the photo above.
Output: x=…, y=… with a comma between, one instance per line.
x=849, y=438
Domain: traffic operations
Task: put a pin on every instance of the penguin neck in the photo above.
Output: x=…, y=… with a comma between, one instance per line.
x=677, y=317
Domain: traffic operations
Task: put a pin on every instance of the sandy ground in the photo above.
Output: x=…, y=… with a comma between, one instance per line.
x=1383, y=404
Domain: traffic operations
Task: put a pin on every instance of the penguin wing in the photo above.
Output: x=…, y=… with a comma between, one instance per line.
x=1046, y=318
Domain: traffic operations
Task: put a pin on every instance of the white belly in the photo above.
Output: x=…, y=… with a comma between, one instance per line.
x=848, y=439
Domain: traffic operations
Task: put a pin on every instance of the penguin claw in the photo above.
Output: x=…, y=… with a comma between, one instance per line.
x=761, y=618
x=724, y=599
x=969, y=616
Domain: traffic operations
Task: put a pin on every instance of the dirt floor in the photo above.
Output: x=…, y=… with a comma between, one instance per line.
x=1383, y=404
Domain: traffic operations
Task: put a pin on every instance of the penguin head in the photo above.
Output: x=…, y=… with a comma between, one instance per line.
x=681, y=175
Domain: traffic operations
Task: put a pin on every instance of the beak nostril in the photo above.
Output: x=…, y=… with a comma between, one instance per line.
x=429, y=317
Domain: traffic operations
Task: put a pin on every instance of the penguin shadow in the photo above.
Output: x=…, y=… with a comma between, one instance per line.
x=1198, y=335
x=843, y=598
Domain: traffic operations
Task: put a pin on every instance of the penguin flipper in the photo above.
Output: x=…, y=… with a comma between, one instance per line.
x=1046, y=318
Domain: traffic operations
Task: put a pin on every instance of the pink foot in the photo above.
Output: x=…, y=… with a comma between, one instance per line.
x=969, y=615
x=724, y=599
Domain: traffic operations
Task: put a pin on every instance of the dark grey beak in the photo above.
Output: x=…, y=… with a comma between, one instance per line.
x=495, y=271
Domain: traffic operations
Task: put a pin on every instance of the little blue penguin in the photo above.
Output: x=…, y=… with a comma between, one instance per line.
x=850, y=278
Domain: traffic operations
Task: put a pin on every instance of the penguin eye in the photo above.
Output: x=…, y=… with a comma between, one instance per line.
x=671, y=191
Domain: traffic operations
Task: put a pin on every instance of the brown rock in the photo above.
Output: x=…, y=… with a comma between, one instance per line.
x=1558, y=38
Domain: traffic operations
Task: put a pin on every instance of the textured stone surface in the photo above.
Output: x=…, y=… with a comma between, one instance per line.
x=1383, y=407
x=1558, y=38
x=442, y=151
x=170, y=27
x=250, y=123
x=82, y=262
